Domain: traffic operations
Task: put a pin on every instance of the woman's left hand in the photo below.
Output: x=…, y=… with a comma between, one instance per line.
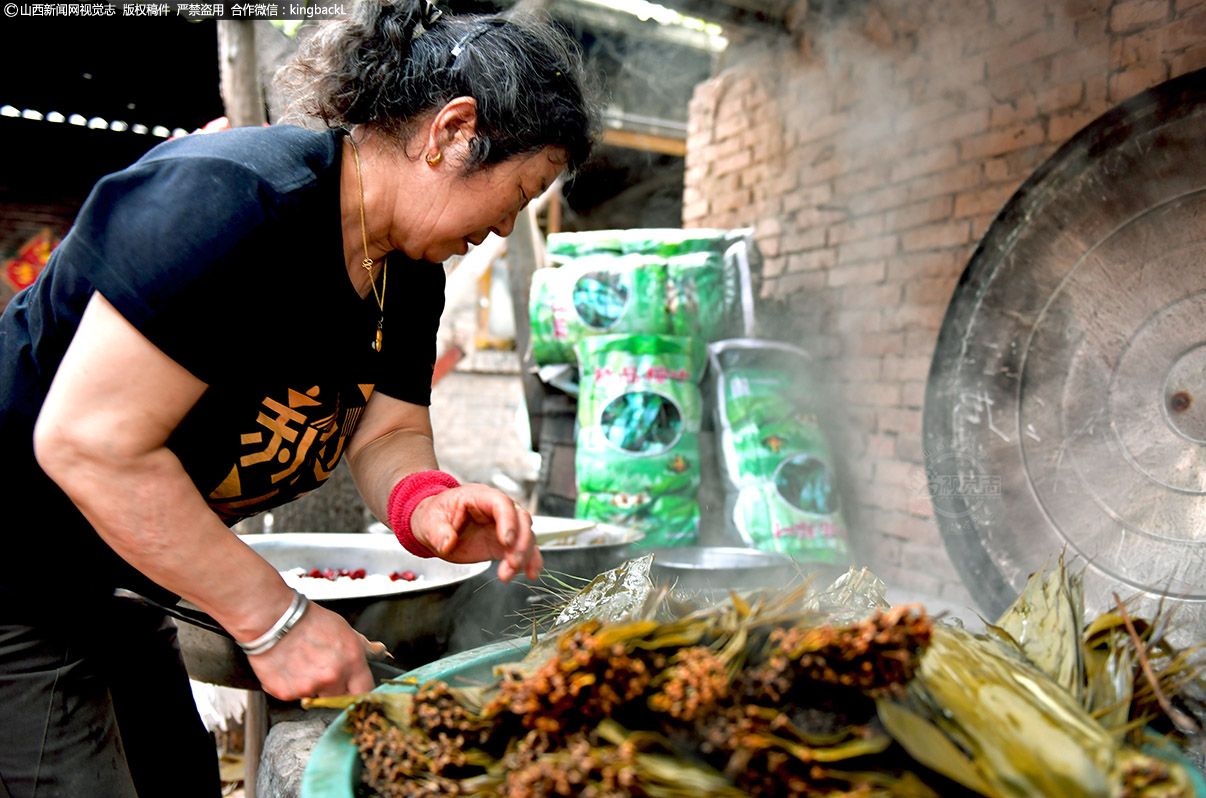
x=472, y=523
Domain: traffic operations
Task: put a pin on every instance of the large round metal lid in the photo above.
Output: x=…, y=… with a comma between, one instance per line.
x=1066, y=406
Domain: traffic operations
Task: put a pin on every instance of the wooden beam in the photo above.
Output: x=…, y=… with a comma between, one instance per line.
x=645, y=141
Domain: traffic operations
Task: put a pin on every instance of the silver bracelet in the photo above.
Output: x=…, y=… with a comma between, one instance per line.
x=279, y=629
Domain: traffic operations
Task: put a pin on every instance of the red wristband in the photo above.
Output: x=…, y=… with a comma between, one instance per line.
x=406, y=496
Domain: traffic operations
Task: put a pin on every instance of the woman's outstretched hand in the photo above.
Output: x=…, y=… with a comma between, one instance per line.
x=473, y=523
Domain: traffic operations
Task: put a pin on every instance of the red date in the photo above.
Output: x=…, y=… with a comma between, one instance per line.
x=333, y=574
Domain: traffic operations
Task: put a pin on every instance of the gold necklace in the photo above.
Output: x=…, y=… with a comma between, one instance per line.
x=367, y=263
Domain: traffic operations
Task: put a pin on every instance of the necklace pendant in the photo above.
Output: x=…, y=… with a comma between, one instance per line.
x=377, y=343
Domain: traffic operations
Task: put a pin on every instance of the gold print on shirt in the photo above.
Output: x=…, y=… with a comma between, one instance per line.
x=296, y=445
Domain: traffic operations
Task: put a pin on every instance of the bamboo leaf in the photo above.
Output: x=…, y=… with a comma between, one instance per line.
x=928, y=745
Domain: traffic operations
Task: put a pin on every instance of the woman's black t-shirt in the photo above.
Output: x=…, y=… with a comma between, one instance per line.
x=225, y=250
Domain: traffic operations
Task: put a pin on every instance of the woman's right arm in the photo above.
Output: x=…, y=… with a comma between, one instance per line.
x=101, y=436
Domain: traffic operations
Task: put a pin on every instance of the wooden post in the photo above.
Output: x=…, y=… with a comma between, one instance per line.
x=242, y=94
x=522, y=259
x=255, y=730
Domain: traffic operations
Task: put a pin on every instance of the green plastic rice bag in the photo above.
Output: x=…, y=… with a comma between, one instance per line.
x=639, y=412
x=774, y=455
x=669, y=242
x=699, y=300
x=595, y=295
x=566, y=246
x=669, y=520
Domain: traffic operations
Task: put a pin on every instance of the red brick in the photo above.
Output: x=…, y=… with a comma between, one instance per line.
x=813, y=129
x=980, y=225
x=935, y=236
x=1015, y=21
x=1131, y=14
x=880, y=344
x=731, y=201
x=948, y=182
x=765, y=207
x=824, y=170
x=926, y=114
x=918, y=213
x=1097, y=93
x=1093, y=33
x=1037, y=46
x=925, y=163
x=857, y=368
x=1189, y=61
x=731, y=124
x=1183, y=5
x=1137, y=49
x=753, y=176
x=917, y=317
x=874, y=394
x=1187, y=32
x=912, y=394
x=861, y=274
x=855, y=230
x=804, y=240
x=816, y=260
x=860, y=182
x=907, y=367
x=985, y=200
x=795, y=283
x=871, y=296
x=909, y=448
x=957, y=127
x=1022, y=108
x=881, y=445
x=899, y=421
x=1060, y=98
x=1083, y=9
x=1028, y=77
x=734, y=163
x=1001, y=141
x=723, y=149
x=923, y=531
x=870, y=249
x=848, y=320
x=817, y=216
x=695, y=210
x=1062, y=127
x=1013, y=167
x=928, y=264
x=1079, y=64
x=880, y=199
x=929, y=292
x=920, y=342
x=1124, y=85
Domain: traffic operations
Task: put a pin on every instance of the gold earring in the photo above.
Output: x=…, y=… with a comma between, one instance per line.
x=432, y=160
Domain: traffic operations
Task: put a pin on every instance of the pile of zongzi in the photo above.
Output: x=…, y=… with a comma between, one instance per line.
x=791, y=694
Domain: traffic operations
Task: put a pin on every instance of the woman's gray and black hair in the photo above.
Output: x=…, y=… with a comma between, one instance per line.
x=392, y=61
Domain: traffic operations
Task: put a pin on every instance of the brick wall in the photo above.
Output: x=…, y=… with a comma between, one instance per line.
x=870, y=157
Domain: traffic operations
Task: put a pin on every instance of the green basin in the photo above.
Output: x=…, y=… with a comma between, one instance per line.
x=334, y=767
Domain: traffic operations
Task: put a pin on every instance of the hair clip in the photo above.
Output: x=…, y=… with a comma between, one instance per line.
x=430, y=15
x=472, y=36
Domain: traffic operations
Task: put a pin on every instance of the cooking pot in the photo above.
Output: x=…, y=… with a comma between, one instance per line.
x=719, y=569
x=411, y=618
x=575, y=551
